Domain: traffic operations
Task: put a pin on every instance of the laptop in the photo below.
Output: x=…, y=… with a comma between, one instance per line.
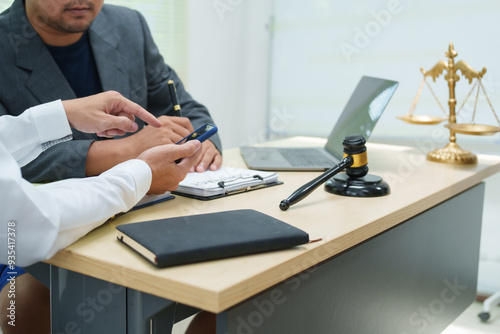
x=359, y=117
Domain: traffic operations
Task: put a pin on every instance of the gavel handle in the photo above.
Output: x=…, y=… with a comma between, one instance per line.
x=307, y=188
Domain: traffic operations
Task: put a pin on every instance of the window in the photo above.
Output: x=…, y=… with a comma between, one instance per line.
x=168, y=22
x=322, y=48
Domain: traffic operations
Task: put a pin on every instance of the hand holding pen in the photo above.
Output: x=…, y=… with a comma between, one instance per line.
x=211, y=157
x=174, y=98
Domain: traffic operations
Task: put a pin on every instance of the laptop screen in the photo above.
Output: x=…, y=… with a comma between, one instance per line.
x=362, y=112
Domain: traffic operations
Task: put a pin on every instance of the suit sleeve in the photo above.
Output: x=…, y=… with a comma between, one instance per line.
x=63, y=161
x=157, y=75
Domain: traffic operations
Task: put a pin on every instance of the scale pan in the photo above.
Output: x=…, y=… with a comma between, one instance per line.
x=473, y=129
x=422, y=119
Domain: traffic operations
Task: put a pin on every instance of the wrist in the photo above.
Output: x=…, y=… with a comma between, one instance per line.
x=131, y=146
x=69, y=109
x=105, y=154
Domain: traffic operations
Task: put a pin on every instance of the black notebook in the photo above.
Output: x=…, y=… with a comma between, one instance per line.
x=181, y=240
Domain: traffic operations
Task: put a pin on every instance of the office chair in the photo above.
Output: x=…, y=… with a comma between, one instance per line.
x=492, y=300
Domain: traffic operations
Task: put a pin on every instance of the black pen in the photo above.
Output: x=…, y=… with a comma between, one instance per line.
x=173, y=96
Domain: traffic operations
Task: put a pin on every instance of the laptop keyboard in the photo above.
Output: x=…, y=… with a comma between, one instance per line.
x=305, y=157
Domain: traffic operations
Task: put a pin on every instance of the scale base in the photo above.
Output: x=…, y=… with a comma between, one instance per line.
x=452, y=154
x=366, y=186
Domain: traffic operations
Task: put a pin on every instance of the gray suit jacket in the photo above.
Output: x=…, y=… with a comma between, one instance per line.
x=127, y=60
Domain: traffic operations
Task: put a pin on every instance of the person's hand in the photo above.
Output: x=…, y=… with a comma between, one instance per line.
x=171, y=131
x=210, y=158
x=166, y=172
x=108, y=114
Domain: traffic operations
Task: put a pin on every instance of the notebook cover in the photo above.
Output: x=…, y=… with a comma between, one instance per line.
x=197, y=238
x=156, y=201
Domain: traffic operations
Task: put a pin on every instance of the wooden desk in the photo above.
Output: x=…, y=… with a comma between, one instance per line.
x=352, y=230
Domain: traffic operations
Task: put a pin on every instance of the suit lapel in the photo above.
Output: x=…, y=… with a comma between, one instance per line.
x=111, y=64
x=46, y=82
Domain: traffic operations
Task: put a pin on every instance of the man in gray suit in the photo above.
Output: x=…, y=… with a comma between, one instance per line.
x=63, y=49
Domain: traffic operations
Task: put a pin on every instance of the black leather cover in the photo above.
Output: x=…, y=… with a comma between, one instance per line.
x=189, y=239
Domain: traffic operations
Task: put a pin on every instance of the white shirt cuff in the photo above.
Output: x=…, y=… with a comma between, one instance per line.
x=51, y=123
x=140, y=171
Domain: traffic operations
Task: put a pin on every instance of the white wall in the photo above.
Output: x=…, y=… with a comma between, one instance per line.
x=311, y=77
x=322, y=47
x=228, y=64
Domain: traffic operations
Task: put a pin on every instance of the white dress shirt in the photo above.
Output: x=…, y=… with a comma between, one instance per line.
x=46, y=218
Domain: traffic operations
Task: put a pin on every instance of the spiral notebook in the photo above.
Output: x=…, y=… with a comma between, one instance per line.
x=225, y=181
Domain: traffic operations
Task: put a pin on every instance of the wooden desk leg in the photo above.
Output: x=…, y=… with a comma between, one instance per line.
x=414, y=278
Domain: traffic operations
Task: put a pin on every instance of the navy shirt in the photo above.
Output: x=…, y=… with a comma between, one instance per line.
x=77, y=63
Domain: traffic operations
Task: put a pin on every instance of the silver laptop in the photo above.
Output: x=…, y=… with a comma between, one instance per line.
x=359, y=117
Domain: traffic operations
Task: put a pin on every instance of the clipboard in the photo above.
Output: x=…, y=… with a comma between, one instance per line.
x=225, y=182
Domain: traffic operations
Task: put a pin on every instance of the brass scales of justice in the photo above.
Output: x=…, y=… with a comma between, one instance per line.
x=452, y=153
